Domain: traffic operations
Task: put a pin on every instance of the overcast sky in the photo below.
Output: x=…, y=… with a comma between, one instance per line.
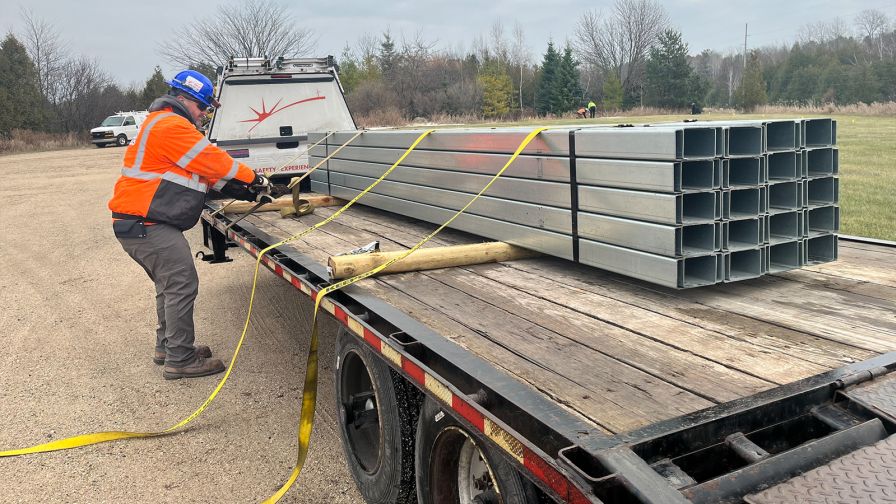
x=124, y=36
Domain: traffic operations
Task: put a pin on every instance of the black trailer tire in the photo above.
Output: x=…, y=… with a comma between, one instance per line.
x=445, y=447
x=378, y=412
x=121, y=140
x=99, y=145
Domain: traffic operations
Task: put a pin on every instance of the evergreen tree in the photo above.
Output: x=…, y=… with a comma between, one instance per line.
x=863, y=85
x=612, y=93
x=155, y=87
x=751, y=92
x=547, y=91
x=388, y=58
x=670, y=82
x=885, y=73
x=568, y=81
x=21, y=104
x=497, y=91
x=349, y=70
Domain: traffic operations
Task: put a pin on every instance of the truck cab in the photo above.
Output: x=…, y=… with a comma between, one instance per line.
x=118, y=129
x=269, y=106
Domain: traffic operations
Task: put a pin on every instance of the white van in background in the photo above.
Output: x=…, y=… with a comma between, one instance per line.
x=269, y=106
x=118, y=129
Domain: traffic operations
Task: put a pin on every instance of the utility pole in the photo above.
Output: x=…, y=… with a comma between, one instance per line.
x=745, y=47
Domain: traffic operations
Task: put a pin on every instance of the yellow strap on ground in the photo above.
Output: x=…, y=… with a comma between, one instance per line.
x=102, y=437
x=309, y=393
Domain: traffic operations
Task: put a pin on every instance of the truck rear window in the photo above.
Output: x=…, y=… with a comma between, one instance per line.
x=261, y=107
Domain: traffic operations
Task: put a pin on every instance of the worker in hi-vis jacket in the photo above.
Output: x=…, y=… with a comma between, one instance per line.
x=161, y=191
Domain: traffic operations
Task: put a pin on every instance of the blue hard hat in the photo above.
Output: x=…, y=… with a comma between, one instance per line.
x=196, y=85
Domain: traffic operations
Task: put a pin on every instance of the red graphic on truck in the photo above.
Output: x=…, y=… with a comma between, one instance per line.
x=265, y=113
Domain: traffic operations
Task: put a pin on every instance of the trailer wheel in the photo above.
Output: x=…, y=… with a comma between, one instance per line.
x=378, y=412
x=456, y=466
x=121, y=140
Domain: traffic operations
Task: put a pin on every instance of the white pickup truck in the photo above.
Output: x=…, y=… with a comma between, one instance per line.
x=269, y=106
x=118, y=129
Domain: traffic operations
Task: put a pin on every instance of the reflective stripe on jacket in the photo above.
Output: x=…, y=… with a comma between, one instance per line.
x=168, y=170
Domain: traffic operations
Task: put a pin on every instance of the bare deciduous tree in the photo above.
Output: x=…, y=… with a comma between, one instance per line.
x=42, y=42
x=499, y=47
x=368, y=46
x=520, y=57
x=619, y=43
x=254, y=28
x=823, y=31
x=79, y=104
x=414, y=55
x=872, y=24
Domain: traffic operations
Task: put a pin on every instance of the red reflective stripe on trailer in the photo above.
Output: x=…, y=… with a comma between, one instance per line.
x=576, y=496
x=340, y=315
x=546, y=473
x=278, y=269
x=373, y=340
x=415, y=371
x=296, y=283
x=468, y=412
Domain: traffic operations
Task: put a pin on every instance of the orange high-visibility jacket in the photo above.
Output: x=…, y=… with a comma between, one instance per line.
x=168, y=170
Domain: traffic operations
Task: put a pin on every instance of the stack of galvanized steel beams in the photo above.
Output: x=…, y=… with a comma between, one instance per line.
x=681, y=205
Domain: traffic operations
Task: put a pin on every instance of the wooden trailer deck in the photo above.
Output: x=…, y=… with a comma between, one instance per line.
x=620, y=352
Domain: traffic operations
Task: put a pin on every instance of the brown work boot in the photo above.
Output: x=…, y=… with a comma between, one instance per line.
x=201, y=350
x=200, y=367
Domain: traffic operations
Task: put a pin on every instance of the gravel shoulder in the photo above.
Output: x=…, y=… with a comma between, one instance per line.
x=78, y=333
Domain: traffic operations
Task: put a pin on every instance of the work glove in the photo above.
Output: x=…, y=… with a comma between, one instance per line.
x=261, y=184
x=238, y=190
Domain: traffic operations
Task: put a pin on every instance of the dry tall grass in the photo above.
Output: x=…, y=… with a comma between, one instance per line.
x=859, y=109
x=20, y=141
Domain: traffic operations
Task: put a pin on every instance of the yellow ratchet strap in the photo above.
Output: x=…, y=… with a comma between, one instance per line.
x=309, y=392
x=101, y=437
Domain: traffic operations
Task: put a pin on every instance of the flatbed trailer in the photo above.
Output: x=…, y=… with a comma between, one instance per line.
x=593, y=386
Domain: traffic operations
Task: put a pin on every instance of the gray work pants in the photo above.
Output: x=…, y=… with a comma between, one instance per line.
x=165, y=256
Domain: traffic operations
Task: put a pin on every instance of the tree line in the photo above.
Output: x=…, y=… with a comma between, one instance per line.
x=628, y=56
x=44, y=87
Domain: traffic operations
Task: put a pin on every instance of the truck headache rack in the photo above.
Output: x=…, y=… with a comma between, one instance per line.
x=768, y=447
x=248, y=66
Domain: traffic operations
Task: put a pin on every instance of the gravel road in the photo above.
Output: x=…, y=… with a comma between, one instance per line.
x=77, y=318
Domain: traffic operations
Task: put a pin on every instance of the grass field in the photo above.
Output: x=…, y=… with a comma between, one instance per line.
x=867, y=165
